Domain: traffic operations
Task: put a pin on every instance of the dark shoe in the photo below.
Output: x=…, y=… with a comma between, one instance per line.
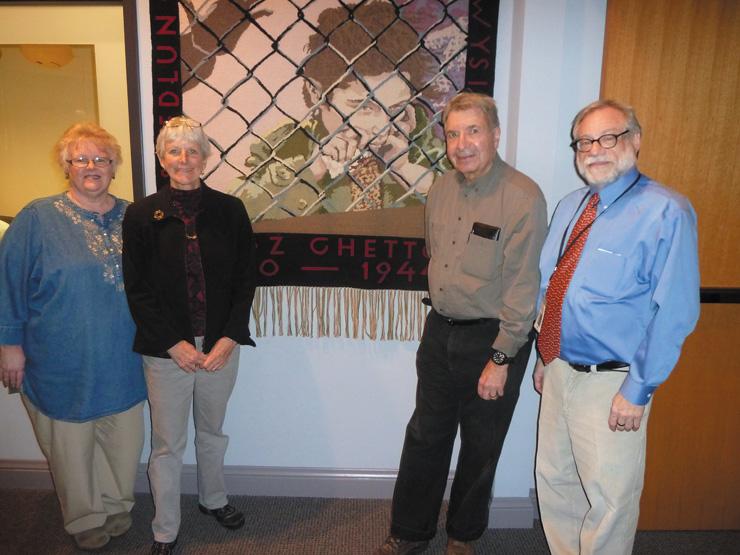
x=455, y=547
x=227, y=516
x=163, y=548
x=117, y=524
x=397, y=546
x=93, y=539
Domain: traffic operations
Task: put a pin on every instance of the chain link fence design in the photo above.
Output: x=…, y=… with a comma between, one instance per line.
x=321, y=106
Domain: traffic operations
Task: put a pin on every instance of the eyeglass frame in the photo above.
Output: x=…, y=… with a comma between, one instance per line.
x=98, y=162
x=574, y=143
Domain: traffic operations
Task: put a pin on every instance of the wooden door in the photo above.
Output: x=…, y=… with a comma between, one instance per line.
x=678, y=63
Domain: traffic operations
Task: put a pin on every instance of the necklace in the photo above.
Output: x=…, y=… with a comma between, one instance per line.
x=190, y=225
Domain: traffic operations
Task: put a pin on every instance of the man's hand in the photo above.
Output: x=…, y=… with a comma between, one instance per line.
x=539, y=375
x=12, y=365
x=186, y=356
x=220, y=353
x=492, y=381
x=624, y=416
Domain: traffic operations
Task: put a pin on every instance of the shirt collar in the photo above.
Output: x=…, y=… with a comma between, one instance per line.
x=484, y=181
x=610, y=192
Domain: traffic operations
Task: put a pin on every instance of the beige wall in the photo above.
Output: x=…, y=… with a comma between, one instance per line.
x=37, y=104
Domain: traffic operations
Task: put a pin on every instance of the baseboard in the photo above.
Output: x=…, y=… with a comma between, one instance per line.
x=18, y=474
x=506, y=512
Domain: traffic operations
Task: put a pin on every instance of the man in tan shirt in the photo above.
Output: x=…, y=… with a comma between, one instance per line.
x=485, y=225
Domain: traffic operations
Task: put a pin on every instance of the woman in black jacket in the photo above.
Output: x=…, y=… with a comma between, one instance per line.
x=188, y=262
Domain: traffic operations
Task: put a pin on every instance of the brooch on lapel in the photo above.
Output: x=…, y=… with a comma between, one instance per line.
x=158, y=215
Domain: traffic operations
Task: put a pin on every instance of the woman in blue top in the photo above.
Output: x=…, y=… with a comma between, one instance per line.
x=66, y=336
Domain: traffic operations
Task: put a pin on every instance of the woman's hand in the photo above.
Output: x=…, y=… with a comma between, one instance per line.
x=186, y=356
x=220, y=353
x=12, y=365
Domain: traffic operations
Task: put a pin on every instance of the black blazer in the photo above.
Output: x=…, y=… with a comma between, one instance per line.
x=154, y=271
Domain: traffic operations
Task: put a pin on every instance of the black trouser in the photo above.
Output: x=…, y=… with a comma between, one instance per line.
x=449, y=363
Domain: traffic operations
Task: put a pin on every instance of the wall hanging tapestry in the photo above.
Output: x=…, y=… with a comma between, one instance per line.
x=324, y=116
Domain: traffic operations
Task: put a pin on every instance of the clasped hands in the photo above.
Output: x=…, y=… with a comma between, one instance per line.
x=187, y=357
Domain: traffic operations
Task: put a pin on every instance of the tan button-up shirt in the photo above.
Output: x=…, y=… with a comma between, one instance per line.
x=484, y=240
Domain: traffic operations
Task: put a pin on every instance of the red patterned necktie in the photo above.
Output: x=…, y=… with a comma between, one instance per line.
x=548, y=342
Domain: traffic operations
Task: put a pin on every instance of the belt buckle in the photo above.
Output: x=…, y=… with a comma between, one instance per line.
x=581, y=367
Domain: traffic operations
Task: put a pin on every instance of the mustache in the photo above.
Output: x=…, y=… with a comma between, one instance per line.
x=595, y=159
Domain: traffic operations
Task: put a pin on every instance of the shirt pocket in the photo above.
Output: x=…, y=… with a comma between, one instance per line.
x=480, y=257
x=606, y=273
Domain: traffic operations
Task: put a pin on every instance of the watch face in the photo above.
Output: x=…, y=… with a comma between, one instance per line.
x=498, y=357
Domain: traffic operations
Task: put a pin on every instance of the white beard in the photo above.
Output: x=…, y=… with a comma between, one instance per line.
x=622, y=166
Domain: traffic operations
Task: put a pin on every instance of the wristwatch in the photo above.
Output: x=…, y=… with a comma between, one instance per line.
x=499, y=357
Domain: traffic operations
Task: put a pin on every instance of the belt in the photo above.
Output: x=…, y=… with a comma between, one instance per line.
x=454, y=322
x=608, y=366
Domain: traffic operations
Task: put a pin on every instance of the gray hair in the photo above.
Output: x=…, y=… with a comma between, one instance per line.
x=186, y=129
x=628, y=112
x=468, y=100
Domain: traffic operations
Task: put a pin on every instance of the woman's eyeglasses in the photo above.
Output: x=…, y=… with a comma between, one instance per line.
x=84, y=161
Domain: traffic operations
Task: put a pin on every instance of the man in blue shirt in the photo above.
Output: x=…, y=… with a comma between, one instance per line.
x=618, y=297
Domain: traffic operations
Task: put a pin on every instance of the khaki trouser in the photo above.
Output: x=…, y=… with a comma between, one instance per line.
x=172, y=392
x=93, y=463
x=589, y=479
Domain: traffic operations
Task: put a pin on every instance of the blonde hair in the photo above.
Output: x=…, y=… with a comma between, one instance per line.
x=87, y=132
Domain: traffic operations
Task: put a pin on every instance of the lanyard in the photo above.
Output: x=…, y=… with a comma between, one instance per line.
x=565, y=231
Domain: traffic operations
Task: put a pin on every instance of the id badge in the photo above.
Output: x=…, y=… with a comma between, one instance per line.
x=540, y=315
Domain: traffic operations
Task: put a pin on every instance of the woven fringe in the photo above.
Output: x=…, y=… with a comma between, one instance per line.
x=385, y=315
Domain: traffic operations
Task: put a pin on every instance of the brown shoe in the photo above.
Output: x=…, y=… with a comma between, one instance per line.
x=397, y=546
x=455, y=547
x=117, y=524
x=93, y=539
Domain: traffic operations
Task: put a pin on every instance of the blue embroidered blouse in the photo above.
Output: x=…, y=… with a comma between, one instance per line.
x=62, y=300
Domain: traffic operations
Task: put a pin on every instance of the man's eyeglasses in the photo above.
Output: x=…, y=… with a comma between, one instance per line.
x=84, y=161
x=609, y=140
x=182, y=121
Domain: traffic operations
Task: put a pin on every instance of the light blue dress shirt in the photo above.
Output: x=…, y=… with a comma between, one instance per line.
x=634, y=296
x=62, y=300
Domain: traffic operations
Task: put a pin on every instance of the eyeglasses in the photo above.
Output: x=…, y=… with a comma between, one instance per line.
x=609, y=140
x=182, y=121
x=84, y=161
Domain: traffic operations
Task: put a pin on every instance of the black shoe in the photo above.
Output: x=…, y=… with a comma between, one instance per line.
x=227, y=516
x=162, y=548
x=397, y=546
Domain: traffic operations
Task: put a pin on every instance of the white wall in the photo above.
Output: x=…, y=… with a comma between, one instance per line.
x=339, y=403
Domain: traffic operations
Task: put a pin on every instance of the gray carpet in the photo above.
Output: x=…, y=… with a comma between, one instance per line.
x=30, y=523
